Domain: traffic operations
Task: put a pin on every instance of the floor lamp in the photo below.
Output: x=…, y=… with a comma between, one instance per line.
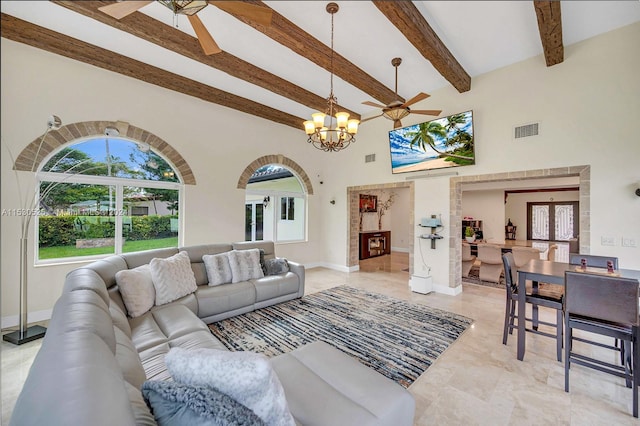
x=24, y=333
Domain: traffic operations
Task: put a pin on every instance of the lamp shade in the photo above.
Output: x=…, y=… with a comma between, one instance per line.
x=352, y=126
x=341, y=119
x=309, y=127
x=318, y=119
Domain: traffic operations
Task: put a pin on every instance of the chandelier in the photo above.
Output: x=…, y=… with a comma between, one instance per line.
x=186, y=7
x=331, y=139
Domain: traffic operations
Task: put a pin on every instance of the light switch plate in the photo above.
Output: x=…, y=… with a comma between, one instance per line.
x=607, y=241
x=629, y=242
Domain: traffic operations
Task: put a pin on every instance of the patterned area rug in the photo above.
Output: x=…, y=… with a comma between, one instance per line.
x=474, y=278
x=396, y=338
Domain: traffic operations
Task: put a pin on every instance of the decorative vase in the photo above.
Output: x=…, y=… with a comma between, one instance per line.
x=380, y=223
x=470, y=239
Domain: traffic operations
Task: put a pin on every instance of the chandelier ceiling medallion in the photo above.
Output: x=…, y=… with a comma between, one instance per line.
x=329, y=138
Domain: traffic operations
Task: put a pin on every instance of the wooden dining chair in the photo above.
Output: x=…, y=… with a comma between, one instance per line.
x=593, y=261
x=604, y=305
x=543, y=297
x=551, y=253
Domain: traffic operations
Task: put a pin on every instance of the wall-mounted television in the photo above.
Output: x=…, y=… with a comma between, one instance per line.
x=442, y=143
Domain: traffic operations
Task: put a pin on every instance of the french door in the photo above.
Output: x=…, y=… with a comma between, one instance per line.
x=552, y=221
x=254, y=221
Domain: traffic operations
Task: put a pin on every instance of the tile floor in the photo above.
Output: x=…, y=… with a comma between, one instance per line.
x=476, y=381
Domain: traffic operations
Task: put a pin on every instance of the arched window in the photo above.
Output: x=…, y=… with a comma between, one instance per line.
x=105, y=195
x=275, y=204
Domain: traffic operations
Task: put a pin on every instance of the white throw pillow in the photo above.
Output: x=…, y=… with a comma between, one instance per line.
x=218, y=268
x=172, y=277
x=245, y=264
x=136, y=288
x=246, y=377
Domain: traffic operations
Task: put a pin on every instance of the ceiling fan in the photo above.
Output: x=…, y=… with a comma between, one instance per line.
x=188, y=8
x=397, y=110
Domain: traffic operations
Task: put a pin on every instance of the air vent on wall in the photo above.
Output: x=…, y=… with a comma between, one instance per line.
x=526, y=131
x=369, y=158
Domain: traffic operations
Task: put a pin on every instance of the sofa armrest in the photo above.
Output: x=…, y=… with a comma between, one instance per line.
x=298, y=269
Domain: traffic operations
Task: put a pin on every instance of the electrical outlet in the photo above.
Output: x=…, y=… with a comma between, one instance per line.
x=629, y=242
x=607, y=241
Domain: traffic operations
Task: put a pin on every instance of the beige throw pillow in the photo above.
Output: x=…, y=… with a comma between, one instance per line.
x=245, y=265
x=172, y=277
x=218, y=268
x=137, y=290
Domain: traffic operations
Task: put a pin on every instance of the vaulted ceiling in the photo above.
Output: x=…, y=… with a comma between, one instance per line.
x=279, y=70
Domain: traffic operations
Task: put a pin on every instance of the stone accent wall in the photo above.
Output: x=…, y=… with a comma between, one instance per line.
x=27, y=160
x=275, y=159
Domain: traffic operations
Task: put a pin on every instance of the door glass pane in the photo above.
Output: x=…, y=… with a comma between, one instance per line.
x=75, y=220
x=564, y=222
x=259, y=222
x=540, y=222
x=248, y=221
x=150, y=218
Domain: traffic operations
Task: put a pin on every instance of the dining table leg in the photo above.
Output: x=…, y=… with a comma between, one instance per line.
x=522, y=305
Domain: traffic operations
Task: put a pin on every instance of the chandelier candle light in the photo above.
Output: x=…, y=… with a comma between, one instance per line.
x=327, y=138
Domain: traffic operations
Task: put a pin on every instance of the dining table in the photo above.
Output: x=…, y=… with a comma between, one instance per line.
x=547, y=271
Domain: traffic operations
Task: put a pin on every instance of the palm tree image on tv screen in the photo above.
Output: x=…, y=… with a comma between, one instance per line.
x=437, y=144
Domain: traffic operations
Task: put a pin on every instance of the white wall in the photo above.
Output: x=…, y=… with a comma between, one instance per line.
x=487, y=206
x=574, y=101
x=516, y=206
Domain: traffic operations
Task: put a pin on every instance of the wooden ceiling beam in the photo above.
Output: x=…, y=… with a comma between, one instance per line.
x=304, y=44
x=408, y=19
x=550, y=27
x=149, y=29
x=42, y=38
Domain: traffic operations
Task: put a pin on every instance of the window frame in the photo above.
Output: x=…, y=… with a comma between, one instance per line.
x=277, y=195
x=119, y=184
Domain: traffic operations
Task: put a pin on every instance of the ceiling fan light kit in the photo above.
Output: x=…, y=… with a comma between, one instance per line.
x=186, y=7
x=325, y=138
x=397, y=110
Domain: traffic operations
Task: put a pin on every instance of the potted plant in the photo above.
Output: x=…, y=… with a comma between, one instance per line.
x=470, y=234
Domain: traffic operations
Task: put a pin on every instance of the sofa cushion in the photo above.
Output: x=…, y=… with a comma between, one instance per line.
x=137, y=290
x=349, y=389
x=195, y=255
x=245, y=376
x=176, y=404
x=172, y=277
x=129, y=360
x=218, y=268
x=276, y=266
x=141, y=412
x=245, y=265
x=273, y=286
x=214, y=300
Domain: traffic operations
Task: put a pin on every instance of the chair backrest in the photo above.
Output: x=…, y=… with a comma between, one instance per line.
x=521, y=255
x=592, y=260
x=466, y=252
x=551, y=254
x=602, y=297
x=509, y=274
x=489, y=253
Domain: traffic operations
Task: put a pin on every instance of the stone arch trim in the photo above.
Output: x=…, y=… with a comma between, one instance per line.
x=275, y=159
x=56, y=138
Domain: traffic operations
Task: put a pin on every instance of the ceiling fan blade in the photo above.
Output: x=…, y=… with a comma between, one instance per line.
x=426, y=111
x=207, y=42
x=370, y=118
x=397, y=124
x=373, y=104
x=259, y=15
x=123, y=8
x=417, y=98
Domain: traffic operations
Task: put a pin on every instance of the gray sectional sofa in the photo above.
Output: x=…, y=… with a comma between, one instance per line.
x=95, y=358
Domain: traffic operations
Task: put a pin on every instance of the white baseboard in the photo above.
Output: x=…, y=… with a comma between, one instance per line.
x=14, y=320
x=400, y=249
x=445, y=289
x=333, y=266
